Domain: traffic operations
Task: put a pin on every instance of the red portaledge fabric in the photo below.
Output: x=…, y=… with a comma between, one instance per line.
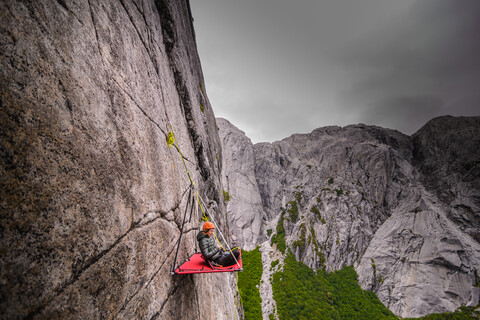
x=197, y=264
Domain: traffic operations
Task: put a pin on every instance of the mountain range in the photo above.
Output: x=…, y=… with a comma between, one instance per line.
x=403, y=210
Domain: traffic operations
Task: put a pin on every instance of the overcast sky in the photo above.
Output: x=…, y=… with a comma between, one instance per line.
x=278, y=67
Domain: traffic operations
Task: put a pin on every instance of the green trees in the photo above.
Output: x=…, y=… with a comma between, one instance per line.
x=248, y=280
x=462, y=313
x=300, y=294
x=351, y=301
x=303, y=294
x=279, y=237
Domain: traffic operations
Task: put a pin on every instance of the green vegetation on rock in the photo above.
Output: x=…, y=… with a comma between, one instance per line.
x=315, y=211
x=248, y=280
x=339, y=192
x=298, y=196
x=274, y=264
x=279, y=237
x=302, y=294
x=293, y=210
x=462, y=313
x=226, y=196
x=300, y=243
x=313, y=240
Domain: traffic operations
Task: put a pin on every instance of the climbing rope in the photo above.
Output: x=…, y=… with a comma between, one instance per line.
x=172, y=141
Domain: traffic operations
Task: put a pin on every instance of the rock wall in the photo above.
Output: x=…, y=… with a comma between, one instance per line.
x=245, y=211
x=403, y=210
x=431, y=241
x=92, y=198
x=447, y=156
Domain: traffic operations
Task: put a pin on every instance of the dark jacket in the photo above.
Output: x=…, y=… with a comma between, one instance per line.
x=208, y=247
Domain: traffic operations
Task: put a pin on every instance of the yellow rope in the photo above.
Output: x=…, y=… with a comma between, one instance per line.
x=170, y=141
x=218, y=240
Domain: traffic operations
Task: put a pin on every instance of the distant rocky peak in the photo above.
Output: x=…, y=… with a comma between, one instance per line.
x=398, y=208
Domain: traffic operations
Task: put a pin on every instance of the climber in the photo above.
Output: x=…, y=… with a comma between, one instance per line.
x=211, y=252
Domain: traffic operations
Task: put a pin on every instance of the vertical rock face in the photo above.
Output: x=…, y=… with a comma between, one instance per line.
x=334, y=186
x=92, y=198
x=430, y=243
x=403, y=210
x=419, y=261
x=245, y=212
x=447, y=154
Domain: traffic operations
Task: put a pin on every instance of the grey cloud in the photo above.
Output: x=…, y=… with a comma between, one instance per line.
x=433, y=52
x=407, y=110
x=277, y=67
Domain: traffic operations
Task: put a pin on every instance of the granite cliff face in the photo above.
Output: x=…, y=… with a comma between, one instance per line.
x=447, y=156
x=403, y=210
x=92, y=198
x=245, y=211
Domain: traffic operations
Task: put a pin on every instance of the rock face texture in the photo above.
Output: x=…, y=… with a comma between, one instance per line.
x=245, y=211
x=92, y=198
x=403, y=210
x=447, y=156
x=431, y=241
